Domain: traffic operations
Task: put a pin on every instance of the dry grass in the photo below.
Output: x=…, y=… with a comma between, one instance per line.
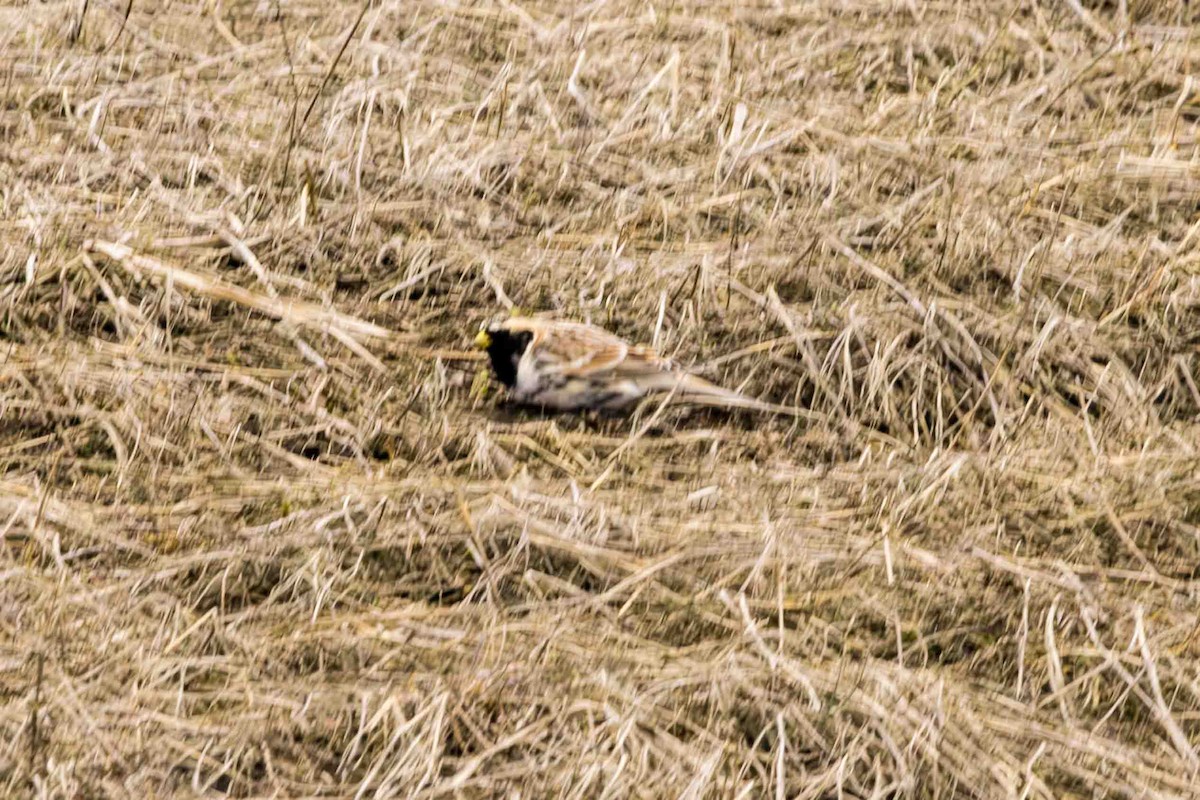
x=265, y=536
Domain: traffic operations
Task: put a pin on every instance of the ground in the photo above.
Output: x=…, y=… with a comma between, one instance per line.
x=269, y=531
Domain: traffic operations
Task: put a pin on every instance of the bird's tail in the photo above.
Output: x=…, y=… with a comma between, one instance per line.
x=693, y=389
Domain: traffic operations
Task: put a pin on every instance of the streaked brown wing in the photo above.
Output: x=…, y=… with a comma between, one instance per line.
x=642, y=360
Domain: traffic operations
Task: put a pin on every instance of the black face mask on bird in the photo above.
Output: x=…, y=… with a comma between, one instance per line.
x=505, y=349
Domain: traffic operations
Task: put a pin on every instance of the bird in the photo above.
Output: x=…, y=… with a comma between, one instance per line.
x=562, y=365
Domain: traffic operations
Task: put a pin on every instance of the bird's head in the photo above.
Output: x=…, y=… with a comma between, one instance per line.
x=505, y=348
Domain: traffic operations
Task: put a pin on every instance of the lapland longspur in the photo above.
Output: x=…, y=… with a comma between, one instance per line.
x=571, y=366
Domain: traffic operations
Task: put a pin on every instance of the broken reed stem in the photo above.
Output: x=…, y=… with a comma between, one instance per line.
x=299, y=312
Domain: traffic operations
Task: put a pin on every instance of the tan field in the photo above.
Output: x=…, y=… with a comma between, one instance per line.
x=269, y=530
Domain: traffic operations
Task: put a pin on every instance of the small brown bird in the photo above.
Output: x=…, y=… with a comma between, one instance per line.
x=570, y=366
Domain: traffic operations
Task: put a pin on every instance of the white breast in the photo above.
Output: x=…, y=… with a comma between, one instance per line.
x=528, y=385
x=542, y=385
